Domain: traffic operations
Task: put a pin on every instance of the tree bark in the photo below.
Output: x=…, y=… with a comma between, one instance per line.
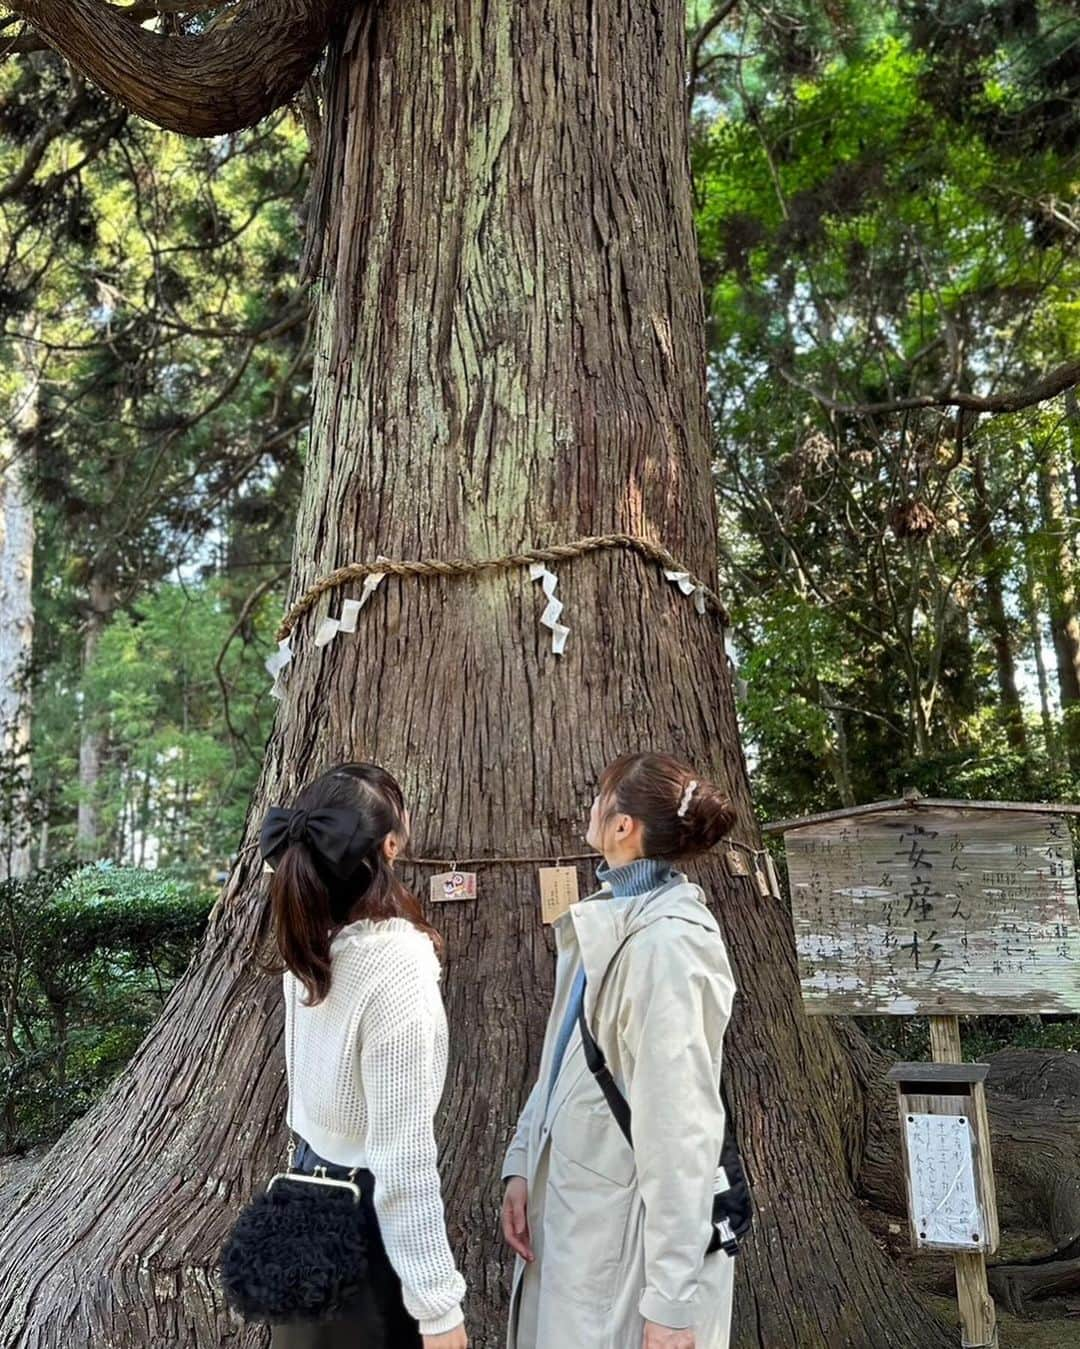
x=100, y=601
x=1061, y=589
x=997, y=621
x=248, y=62
x=17, y=618
x=510, y=352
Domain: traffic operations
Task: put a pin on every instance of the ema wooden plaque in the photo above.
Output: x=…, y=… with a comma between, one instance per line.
x=936, y=912
x=558, y=891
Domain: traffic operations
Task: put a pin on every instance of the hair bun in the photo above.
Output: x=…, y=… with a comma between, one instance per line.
x=708, y=817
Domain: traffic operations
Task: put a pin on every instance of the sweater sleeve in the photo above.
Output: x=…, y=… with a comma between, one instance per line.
x=398, y=1069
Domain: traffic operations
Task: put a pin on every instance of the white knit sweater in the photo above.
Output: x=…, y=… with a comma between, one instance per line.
x=370, y=1069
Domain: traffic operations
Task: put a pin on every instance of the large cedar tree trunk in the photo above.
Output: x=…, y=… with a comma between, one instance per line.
x=510, y=352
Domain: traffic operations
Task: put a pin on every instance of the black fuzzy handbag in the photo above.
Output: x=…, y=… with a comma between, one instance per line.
x=299, y=1251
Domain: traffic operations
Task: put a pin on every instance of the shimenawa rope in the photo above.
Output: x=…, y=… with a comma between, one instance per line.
x=459, y=567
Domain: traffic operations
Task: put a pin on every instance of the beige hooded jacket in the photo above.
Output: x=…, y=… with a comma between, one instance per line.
x=620, y=1235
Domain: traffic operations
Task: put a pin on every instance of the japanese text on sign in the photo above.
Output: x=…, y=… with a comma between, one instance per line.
x=942, y=911
x=941, y=1170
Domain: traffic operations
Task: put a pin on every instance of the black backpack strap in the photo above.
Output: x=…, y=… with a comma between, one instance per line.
x=732, y=1215
x=594, y=1057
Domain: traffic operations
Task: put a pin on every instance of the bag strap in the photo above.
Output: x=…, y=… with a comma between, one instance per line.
x=594, y=1057
x=724, y=1236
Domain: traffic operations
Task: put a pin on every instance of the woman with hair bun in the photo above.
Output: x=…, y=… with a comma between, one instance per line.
x=622, y=1192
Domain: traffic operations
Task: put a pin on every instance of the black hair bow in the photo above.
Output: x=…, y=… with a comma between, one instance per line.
x=337, y=839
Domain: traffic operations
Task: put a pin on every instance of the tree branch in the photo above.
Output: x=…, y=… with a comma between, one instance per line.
x=39, y=143
x=695, y=62
x=1064, y=377
x=249, y=61
x=27, y=42
x=245, y=613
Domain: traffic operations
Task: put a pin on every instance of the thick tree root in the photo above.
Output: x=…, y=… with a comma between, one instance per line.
x=1013, y=1285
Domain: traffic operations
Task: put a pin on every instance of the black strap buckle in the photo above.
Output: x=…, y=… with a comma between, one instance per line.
x=723, y=1238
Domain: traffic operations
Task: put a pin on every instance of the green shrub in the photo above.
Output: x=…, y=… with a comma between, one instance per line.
x=87, y=958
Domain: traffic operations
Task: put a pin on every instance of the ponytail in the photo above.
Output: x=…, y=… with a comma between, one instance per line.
x=301, y=920
x=683, y=814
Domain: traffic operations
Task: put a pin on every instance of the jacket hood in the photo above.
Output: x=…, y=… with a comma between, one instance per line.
x=599, y=926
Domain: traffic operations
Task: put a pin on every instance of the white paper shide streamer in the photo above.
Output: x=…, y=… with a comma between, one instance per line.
x=329, y=627
x=688, y=586
x=327, y=630
x=554, y=608
x=350, y=610
x=277, y=668
x=278, y=664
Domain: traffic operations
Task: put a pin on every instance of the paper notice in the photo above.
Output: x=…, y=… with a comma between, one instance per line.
x=941, y=1164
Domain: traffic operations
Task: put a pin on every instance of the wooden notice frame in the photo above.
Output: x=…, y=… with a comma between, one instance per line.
x=945, y=1138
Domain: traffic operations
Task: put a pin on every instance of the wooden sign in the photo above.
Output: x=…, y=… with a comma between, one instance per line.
x=736, y=862
x=936, y=911
x=945, y=1135
x=558, y=890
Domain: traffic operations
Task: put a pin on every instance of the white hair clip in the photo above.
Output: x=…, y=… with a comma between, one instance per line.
x=687, y=797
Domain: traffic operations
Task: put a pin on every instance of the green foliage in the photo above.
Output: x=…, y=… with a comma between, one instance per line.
x=907, y=1039
x=887, y=211
x=148, y=291
x=87, y=958
x=183, y=746
x=147, y=918
x=887, y=207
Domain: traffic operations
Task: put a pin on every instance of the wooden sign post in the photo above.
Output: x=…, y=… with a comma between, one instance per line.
x=935, y=908
x=949, y=1178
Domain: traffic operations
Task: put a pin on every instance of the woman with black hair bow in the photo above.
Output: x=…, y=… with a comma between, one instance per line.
x=366, y=1048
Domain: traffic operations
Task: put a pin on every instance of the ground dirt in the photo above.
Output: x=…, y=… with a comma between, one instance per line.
x=1049, y=1324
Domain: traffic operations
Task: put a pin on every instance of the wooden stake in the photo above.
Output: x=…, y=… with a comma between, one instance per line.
x=977, y=1315
x=945, y=1046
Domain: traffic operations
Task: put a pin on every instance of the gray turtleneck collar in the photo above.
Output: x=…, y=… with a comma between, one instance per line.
x=637, y=877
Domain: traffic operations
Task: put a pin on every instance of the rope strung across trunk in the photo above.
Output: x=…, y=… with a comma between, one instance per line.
x=551, y=859
x=542, y=859
x=458, y=567
x=467, y=863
